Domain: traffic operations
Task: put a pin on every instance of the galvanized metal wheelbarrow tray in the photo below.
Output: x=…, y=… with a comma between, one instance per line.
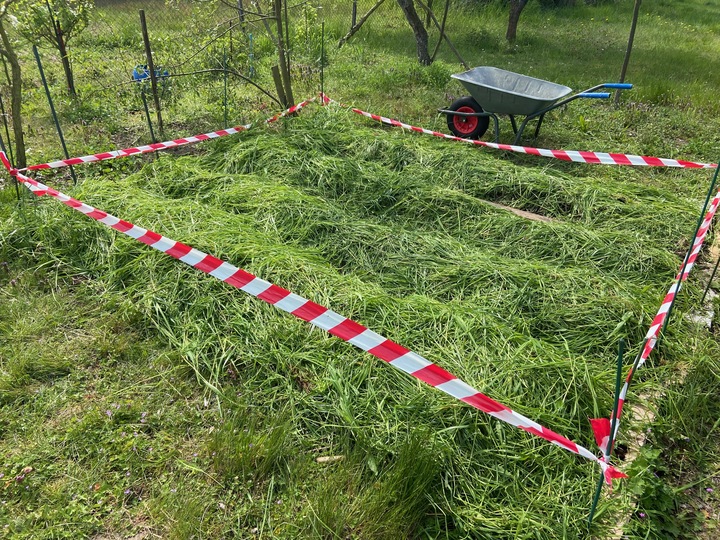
x=495, y=91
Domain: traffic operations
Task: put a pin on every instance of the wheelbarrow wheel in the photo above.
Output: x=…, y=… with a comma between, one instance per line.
x=467, y=127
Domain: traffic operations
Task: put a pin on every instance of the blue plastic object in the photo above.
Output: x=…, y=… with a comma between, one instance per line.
x=595, y=95
x=618, y=86
x=141, y=72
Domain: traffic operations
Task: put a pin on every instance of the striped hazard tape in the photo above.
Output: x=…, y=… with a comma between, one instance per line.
x=102, y=156
x=322, y=317
x=578, y=156
x=602, y=426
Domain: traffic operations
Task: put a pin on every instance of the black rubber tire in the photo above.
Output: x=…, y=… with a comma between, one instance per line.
x=455, y=123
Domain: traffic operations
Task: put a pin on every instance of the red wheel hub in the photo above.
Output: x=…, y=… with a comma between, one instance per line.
x=465, y=124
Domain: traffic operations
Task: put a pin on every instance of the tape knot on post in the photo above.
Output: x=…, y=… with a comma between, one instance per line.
x=13, y=172
x=610, y=472
x=601, y=430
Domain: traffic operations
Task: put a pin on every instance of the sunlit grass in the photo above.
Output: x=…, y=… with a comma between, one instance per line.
x=148, y=397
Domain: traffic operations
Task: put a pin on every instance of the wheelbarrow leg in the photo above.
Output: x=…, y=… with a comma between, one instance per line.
x=537, y=128
x=519, y=132
x=497, y=127
x=514, y=123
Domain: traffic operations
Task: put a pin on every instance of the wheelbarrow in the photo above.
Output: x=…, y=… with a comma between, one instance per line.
x=494, y=91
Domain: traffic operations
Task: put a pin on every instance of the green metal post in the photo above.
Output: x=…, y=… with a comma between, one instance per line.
x=636, y=362
x=692, y=240
x=618, y=383
x=225, y=77
x=52, y=110
x=611, y=438
x=712, y=276
x=287, y=36
x=251, y=56
x=7, y=130
x=147, y=113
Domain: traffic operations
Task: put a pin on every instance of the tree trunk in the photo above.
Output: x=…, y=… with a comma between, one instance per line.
x=283, y=56
x=241, y=13
x=427, y=13
x=516, y=7
x=421, y=36
x=443, y=35
x=16, y=98
x=66, y=63
x=62, y=49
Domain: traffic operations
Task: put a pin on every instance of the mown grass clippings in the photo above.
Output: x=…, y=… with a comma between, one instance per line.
x=354, y=218
x=389, y=228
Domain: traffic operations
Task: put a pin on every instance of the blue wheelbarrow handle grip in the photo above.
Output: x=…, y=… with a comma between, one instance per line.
x=618, y=86
x=595, y=95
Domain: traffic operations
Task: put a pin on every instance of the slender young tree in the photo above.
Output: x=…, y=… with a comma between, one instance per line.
x=516, y=7
x=418, y=28
x=54, y=22
x=8, y=52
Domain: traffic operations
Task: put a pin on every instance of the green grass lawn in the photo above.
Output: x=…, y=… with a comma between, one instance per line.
x=140, y=397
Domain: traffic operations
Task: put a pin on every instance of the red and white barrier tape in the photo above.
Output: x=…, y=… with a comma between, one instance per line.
x=162, y=145
x=355, y=333
x=602, y=426
x=325, y=319
x=578, y=156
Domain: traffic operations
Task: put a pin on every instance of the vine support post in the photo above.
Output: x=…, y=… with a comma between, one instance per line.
x=686, y=261
x=608, y=450
x=147, y=114
x=225, y=90
x=7, y=130
x=151, y=69
x=52, y=111
x=710, y=281
x=628, y=49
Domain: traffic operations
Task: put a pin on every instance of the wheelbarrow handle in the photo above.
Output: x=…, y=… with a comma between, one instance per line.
x=594, y=95
x=618, y=86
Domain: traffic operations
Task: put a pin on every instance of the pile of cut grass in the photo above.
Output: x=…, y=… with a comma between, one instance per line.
x=395, y=232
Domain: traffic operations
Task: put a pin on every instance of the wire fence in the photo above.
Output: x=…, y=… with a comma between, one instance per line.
x=213, y=61
x=190, y=37
x=209, y=37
